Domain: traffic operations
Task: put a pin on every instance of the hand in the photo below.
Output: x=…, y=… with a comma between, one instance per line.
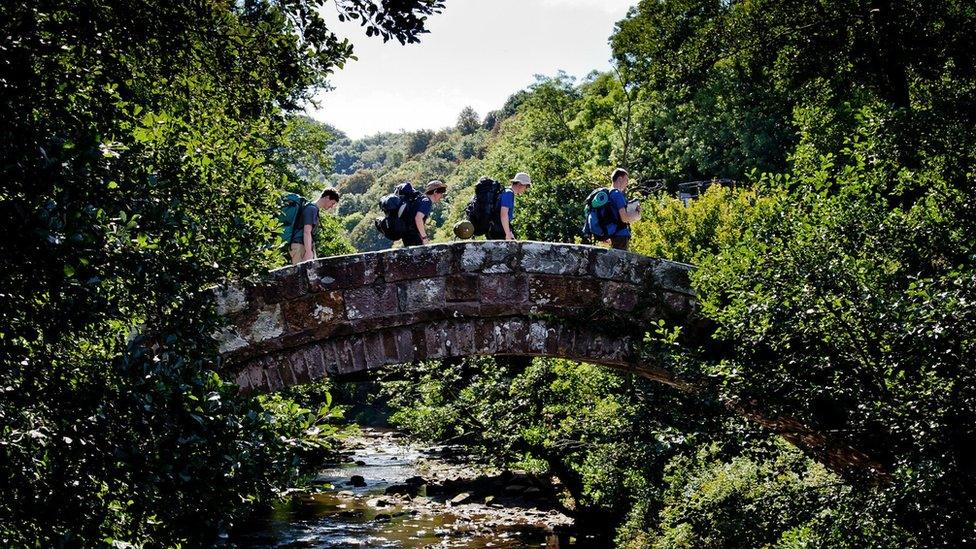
x=509, y=236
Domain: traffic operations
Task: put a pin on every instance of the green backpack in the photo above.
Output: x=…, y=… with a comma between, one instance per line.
x=292, y=206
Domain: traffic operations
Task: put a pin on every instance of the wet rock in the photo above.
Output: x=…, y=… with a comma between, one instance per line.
x=379, y=502
x=345, y=493
x=357, y=480
x=531, y=492
x=415, y=481
x=514, y=489
x=463, y=497
x=360, y=463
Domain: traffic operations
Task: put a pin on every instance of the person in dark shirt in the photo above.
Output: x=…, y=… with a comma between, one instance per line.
x=302, y=243
x=416, y=231
x=620, y=234
x=501, y=228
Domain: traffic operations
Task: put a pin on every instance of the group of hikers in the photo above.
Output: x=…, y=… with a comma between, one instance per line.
x=490, y=213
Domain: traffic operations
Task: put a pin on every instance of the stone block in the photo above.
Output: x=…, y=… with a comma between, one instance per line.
x=228, y=340
x=338, y=273
x=677, y=305
x=230, y=299
x=267, y=324
x=487, y=337
x=618, y=297
x=315, y=362
x=673, y=277
x=416, y=262
x=542, y=336
x=375, y=350
x=558, y=259
x=280, y=285
x=503, y=288
x=461, y=287
x=371, y=301
x=406, y=350
x=419, y=295
x=346, y=357
x=437, y=340
x=610, y=264
x=564, y=292
x=462, y=342
x=490, y=256
x=314, y=310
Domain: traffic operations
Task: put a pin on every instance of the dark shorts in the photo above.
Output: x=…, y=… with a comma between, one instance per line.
x=620, y=242
x=412, y=239
x=496, y=232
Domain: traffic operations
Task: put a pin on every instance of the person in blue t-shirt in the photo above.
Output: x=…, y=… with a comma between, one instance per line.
x=501, y=228
x=620, y=231
x=416, y=234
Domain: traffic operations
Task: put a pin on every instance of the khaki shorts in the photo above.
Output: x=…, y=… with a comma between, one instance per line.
x=297, y=251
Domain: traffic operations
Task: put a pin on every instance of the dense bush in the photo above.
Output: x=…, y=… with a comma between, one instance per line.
x=143, y=150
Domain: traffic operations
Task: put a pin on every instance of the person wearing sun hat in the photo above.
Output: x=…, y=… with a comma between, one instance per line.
x=502, y=228
x=416, y=232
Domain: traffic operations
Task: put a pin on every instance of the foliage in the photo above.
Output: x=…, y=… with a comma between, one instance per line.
x=144, y=148
x=857, y=317
x=691, y=232
x=468, y=121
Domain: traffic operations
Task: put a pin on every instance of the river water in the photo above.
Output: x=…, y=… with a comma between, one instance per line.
x=410, y=497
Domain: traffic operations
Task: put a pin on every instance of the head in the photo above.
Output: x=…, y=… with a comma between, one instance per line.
x=521, y=182
x=619, y=179
x=328, y=200
x=435, y=190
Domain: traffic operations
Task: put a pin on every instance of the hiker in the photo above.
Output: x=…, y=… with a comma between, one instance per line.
x=302, y=245
x=620, y=239
x=501, y=227
x=415, y=233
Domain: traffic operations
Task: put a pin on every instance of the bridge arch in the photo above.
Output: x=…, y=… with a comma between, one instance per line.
x=343, y=316
x=346, y=317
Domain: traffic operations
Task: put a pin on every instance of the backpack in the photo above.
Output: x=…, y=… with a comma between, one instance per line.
x=600, y=215
x=482, y=210
x=292, y=206
x=395, y=205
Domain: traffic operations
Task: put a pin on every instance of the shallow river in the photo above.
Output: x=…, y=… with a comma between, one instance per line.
x=343, y=515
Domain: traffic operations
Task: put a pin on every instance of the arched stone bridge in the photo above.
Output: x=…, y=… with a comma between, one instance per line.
x=341, y=316
x=344, y=317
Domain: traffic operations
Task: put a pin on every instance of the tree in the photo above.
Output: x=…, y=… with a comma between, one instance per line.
x=138, y=168
x=468, y=122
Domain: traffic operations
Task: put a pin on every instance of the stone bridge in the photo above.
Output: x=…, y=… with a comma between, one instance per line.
x=342, y=316
x=345, y=317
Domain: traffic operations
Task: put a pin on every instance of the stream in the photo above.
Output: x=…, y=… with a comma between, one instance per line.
x=395, y=494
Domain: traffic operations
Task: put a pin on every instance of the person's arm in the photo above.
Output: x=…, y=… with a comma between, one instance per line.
x=503, y=217
x=307, y=240
x=419, y=221
x=628, y=217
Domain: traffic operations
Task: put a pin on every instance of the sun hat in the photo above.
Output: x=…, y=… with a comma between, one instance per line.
x=522, y=178
x=434, y=185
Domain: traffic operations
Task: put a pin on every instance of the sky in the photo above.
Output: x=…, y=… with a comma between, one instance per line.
x=478, y=52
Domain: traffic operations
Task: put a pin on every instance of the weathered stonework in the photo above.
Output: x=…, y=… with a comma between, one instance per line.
x=373, y=301
x=343, y=317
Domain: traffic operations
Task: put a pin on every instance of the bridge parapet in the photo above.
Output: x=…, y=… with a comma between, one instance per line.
x=342, y=315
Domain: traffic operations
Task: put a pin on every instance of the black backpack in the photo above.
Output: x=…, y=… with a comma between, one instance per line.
x=396, y=208
x=482, y=210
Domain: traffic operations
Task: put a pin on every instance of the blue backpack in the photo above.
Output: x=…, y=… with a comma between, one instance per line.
x=602, y=221
x=292, y=206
